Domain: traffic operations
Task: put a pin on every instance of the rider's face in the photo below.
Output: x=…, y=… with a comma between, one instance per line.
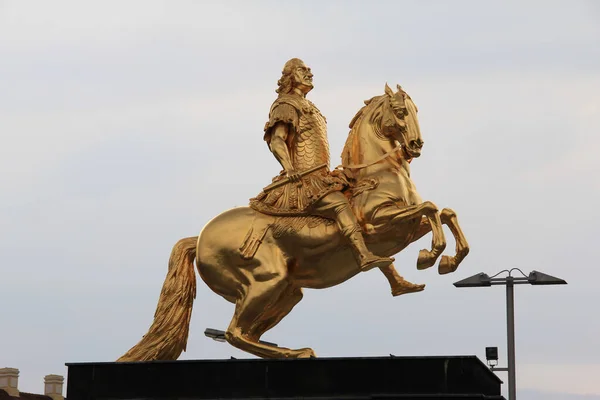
x=302, y=76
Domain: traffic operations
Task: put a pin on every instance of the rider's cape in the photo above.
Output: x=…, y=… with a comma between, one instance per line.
x=308, y=147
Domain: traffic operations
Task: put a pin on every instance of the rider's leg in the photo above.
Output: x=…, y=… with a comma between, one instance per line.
x=336, y=206
x=398, y=284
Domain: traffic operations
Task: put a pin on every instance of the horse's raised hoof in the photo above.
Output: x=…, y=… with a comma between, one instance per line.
x=407, y=287
x=305, y=353
x=447, y=265
x=425, y=259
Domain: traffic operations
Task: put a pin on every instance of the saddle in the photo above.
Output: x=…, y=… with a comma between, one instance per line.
x=279, y=227
x=292, y=225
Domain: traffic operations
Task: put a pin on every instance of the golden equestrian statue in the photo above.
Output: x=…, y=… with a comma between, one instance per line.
x=311, y=227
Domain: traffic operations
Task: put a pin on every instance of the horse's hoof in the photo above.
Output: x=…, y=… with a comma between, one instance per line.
x=305, y=353
x=447, y=265
x=425, y=260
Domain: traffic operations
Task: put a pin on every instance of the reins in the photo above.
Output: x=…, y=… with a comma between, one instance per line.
x=378, y=159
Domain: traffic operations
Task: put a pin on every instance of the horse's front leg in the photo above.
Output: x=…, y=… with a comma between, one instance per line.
x=391, y=215
x=427, y=258
x=447, y=263
x=450, y=264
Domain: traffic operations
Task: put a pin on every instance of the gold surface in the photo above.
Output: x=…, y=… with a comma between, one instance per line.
x=311, y=227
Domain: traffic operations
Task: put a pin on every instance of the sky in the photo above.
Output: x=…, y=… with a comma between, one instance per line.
x=126, y=126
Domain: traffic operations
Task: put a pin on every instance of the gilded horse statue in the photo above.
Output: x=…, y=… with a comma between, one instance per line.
x=262, y=262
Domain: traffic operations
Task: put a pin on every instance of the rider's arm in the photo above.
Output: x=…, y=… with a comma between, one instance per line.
x=280, y=149
x=279, y=146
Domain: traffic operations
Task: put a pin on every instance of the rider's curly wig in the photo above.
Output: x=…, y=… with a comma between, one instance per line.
x=286, y=82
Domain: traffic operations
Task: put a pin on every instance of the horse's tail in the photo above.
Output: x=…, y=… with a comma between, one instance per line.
x=168, y=334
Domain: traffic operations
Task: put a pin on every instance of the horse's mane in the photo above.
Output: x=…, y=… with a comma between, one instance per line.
x=373, y=102
x=377, y=103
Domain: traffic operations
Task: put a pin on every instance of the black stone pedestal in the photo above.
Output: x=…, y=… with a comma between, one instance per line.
x=422, y=378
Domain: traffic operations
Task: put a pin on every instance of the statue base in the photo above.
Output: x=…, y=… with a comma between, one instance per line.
x=423, y=378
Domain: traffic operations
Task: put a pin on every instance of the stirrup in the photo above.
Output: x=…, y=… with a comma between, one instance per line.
x=375, y=262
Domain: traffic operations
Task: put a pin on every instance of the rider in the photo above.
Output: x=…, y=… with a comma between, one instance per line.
x=297, y=136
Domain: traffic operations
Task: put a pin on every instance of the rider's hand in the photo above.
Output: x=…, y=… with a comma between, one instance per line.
x=293, y=176
x=340, y=174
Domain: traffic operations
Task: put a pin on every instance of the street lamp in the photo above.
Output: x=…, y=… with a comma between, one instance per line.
x=215, y=334
x=534, y=278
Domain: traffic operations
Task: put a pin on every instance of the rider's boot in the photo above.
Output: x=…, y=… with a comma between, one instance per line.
x=337, y=205
x=366, y=260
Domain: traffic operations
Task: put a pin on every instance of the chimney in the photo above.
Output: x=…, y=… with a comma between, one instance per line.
x=53, y=386
x=9, y=381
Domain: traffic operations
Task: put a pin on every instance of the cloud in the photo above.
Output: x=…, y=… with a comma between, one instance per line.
x=576, y=379
x=547, y=395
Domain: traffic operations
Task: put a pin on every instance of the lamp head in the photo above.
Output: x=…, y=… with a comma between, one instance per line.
x=479, y=280
x=539, y=278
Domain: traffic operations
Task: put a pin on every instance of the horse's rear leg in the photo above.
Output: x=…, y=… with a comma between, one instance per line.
x=261, y=299
x=278, y=310
x=450, y=264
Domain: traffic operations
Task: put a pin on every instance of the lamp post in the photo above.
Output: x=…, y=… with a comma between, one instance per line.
x=534, y=278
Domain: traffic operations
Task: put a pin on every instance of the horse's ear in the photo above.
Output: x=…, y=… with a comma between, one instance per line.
x=404, y=94
x=388, y=90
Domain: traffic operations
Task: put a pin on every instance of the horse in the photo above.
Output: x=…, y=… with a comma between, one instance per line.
x=261, y=263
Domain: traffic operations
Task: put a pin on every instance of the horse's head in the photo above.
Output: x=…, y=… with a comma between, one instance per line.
x=386, y=123
x=399, y=121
